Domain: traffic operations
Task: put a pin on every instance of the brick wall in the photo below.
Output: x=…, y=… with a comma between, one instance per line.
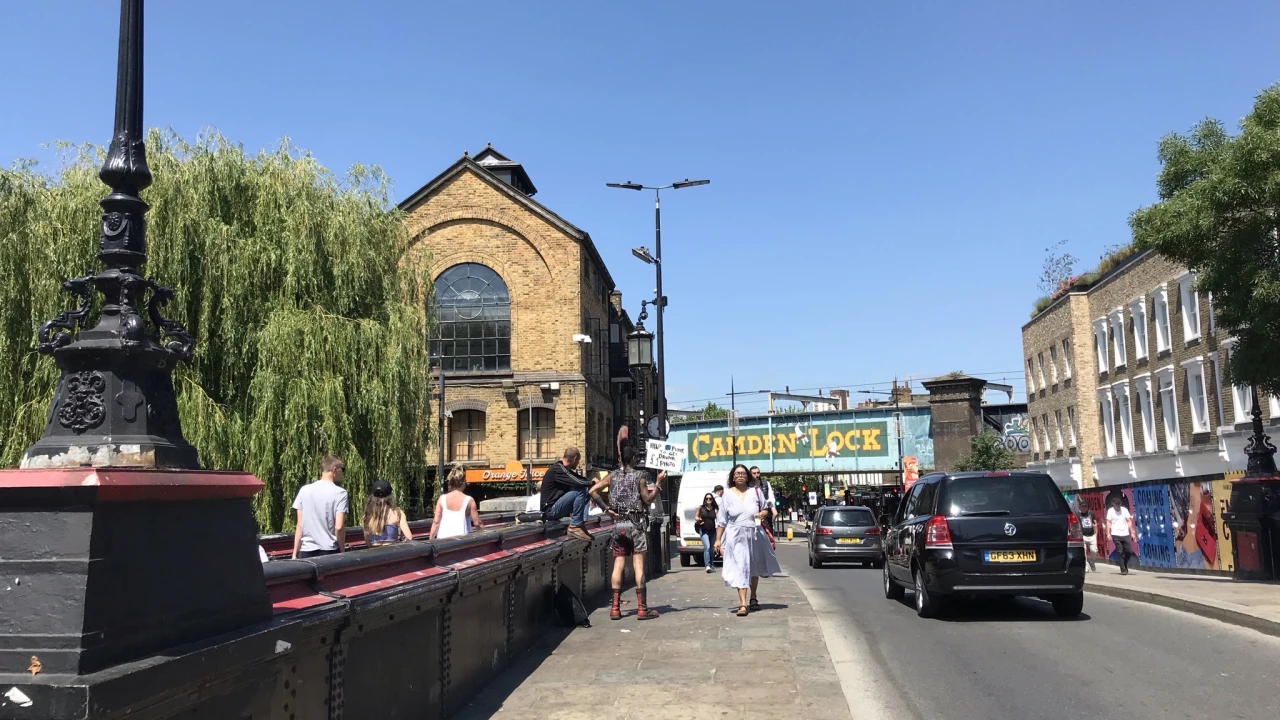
x=1067, y=390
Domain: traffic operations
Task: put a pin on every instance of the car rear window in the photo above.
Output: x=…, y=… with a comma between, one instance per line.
x=848, y=518
x=1012, y=495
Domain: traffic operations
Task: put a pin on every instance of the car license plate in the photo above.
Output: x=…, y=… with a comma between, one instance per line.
x=693, y=543
x=848, y=541
x=1009, y=556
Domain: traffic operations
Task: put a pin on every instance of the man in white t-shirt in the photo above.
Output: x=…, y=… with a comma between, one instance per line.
x=322, y=513
x=535, y=500
x=1120, y=526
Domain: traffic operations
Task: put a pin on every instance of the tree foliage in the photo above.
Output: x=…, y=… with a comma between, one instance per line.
x=1058, y=268
x=310, y=330
x=1219, y=214
x=710, y=412
x=987, y=452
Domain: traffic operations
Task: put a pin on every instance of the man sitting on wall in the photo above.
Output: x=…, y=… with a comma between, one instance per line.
x=564, y=493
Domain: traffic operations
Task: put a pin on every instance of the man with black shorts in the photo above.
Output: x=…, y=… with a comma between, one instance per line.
x=629, y=499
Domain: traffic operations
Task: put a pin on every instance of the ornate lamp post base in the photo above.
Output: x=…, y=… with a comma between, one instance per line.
x=1254, y=514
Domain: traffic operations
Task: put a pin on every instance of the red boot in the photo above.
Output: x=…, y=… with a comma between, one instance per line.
x=615, y=613
x=642, y=611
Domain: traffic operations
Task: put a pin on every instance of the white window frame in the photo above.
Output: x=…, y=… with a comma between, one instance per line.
x=1057, y=422
x=1138, y=311
x=1053, y=364
x=1273, y=405
x=1107, y=408
x=1031, y=378
x=1241, y=398
x=1199, y=407
x=1217, y=387
x=1100, y=338
x=1160, y=309
x=1071, y=424
x=1035, y=436
x=1120, y=391
x=1066, y=358
x=1211, y=318
x=1044, y=420
x=1040, y=360
x=1146, y=406
x=1116, y=319
x=1169, y=408
x=1190, y=307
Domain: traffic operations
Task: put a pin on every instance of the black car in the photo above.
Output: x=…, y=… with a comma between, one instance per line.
x=985, y=534
x=845, y=533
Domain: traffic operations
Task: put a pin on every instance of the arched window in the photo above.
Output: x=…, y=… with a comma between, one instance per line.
x=466, y=435
x=473, y=320
x=542, y=445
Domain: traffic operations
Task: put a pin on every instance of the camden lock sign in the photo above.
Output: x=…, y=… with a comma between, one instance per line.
x=799, y=441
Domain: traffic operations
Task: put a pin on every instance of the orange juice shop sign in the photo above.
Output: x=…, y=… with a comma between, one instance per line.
x=511, y=473
x=795, y=442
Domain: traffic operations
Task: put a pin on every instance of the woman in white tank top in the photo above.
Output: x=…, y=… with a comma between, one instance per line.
x=456, y=512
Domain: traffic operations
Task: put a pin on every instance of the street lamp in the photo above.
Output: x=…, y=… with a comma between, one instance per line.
x=640, y=360
x=901, y=430
x=1255, y=507
x=656, y=260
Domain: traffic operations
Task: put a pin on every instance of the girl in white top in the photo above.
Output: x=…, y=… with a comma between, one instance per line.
x=456, y=513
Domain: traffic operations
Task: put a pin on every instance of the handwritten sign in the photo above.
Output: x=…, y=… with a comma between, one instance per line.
x=662, y=455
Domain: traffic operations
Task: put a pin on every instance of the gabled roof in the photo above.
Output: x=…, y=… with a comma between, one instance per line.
x=466, y=162
x=494, y=160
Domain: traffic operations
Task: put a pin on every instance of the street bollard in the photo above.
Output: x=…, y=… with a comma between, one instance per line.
x=791, y=534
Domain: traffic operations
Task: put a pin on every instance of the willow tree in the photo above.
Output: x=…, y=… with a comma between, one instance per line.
x=310, y=329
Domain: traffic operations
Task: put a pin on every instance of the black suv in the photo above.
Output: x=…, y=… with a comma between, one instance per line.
x=985, y=534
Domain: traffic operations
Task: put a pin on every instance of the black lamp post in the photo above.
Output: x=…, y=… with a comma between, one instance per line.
x=115, y=404
x=1255, y=508
x=656, y=260
x=640, y=360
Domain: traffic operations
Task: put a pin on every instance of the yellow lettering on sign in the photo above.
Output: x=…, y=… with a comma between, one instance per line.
x=717, y=448
x=755, y=445
x=742, y=444
x=851, y=440
x=786, y=443
x=814, y=450
x=699, y=440
x=869, y=439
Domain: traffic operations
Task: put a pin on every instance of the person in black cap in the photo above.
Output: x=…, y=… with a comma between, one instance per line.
x=384, y=521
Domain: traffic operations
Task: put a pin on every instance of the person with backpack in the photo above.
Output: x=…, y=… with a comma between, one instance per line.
x=629, y=499
x=1089, y=528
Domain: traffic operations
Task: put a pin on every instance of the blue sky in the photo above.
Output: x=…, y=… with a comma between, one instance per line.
x=885, y=176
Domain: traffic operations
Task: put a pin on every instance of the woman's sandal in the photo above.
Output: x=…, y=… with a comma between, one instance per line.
x=742, y=611
x=755, y=605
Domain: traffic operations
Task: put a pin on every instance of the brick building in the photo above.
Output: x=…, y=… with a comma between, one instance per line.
x=1125, y=381
x=518, y=290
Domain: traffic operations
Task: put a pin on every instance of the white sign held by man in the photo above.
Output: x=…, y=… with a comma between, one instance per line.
x=662, y=455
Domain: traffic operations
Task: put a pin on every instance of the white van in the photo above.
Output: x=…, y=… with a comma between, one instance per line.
x=694, y=486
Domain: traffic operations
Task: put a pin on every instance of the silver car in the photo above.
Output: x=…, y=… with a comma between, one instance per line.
x=844, y=533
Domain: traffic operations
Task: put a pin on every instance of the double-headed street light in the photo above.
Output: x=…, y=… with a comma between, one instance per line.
x=656, y=260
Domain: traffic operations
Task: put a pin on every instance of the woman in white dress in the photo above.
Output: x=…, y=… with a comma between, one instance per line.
x=741, y=539
x=456, y=512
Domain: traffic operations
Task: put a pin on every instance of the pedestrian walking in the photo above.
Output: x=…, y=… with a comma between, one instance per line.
x=384, y=522
x=741, y=539
x=705, y=526
x=629, y=499
x=456, y=513
x=1089, y=529
x=770, y=501
x=1121, y=527
x=564, y=493
x=321, y=508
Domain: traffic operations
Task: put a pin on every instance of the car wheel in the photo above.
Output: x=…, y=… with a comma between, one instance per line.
x=1069, y=606
x=877, y=564
x=817, y=561
x=927, y=605
x=892, y=590
x=685, y=560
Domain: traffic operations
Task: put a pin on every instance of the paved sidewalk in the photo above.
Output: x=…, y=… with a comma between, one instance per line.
x=696, y=661
x=1253, y=605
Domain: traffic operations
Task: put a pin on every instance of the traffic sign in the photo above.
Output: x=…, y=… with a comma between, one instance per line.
x=733, y=423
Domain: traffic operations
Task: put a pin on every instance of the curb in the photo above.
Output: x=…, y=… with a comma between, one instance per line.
x=1195, y=607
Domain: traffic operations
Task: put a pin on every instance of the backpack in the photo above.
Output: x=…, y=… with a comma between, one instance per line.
x=570, y=609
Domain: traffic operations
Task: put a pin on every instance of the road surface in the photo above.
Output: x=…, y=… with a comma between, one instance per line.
x=1122, y=659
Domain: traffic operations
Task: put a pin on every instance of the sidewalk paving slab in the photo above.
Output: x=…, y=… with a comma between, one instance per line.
x=697, y=660
x=1248, y=604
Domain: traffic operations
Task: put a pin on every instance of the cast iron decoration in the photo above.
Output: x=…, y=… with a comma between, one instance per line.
x=116, y=375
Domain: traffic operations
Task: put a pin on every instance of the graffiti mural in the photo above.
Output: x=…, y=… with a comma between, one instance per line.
x=1179, y=522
